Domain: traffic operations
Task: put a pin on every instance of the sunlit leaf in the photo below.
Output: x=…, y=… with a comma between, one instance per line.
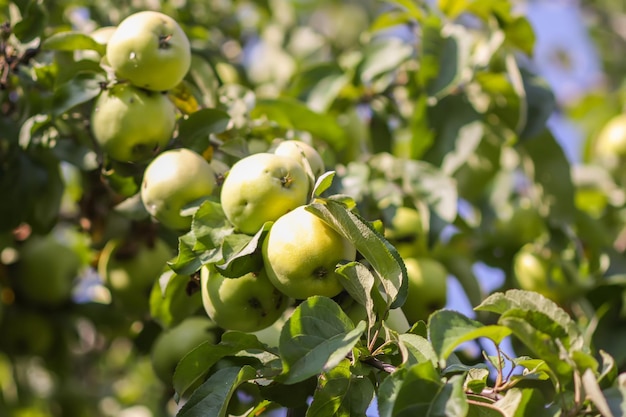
x=316, y=337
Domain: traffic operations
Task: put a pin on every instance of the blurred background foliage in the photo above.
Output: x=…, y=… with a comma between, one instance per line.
x=481, y=115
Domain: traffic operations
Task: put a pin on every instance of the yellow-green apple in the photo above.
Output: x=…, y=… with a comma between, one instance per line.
x=262, y=187
x=131, y=124
x=151, y=50
x=535, y=271
x=427, y=290
x=47, y=270
x=301, y=252
x=173, y=180
x=248, y=303
x=305, y=154
x=174, y=343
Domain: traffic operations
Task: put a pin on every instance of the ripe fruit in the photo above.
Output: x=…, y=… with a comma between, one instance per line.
x=248, y=303
x=173, y=180
x=301, y=252
x=261, y=188
x=304, y=153
x=174, y=343
x=427, y=289
x=47, y=270
x=150, y=50
x=131, y=124
x=133, y=264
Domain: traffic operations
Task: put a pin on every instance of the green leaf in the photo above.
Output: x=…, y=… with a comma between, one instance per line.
x=551, y=319
x=341, y=393
x=447, y=329
x=416, y=349
x=210, y=226
x=212, y=397
x=381, y=57
x=323, y=183
x=316, y=337
x=33, y=23
x=359, y=282
x=84, y=87
x=540, y=103
x=409, y=391
x=616, y=396
x=194, y=130
x=383, y=257
x=195, y=365
x=169, y=301
x=293, y=114
x=72, y=41
x=242, y=253
x=551, y=172
x=450, y=400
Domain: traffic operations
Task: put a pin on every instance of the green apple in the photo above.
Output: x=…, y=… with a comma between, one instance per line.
x=174, y=343
x=247, y=304
x=609, y=147
x=47, y=270
x=262, y=187
x=427, y=289
x=405, y=224
x=130, y=267
x=173, y=180
x=305, y=154
x=535, y=271
x=100, y=35
x=524, y=224
x=301, y=252
x=130, y=124
x=150, y=50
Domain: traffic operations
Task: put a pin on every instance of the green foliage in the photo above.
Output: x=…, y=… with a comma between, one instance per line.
x=428, y=106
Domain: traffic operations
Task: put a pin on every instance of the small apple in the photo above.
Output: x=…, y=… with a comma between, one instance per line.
x=405, y=224
x=262, y=187
x=610, y=144
x=173, y=180
x=150, y=50
x=174, y=343
x=100, y=35
x=129, y=268
x=47, y=270
x=305, y=154
x=535, y=271
x=247, y=304
x=427, y=290
x=131, y=124
x=301, y=252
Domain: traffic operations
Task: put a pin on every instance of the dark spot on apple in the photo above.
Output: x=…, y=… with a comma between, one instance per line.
x=320, y=273
x=256, y=304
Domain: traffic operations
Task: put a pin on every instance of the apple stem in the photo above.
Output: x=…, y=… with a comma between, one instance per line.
x=164, y=41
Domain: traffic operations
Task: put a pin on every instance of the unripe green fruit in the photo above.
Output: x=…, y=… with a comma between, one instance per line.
x=173, y=180
x=131, y=124
x=304, y=153
x=47, y=270
x=261, y=188
x=174, y=343
x=427, y=290
x=406, y=223
x=301, y=252
x=610, y=144
x=534, y=272
x=249, y=303
x=150, y=50
x=134, y=264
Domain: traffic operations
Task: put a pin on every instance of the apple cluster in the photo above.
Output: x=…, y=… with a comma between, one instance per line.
x=133, y=118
